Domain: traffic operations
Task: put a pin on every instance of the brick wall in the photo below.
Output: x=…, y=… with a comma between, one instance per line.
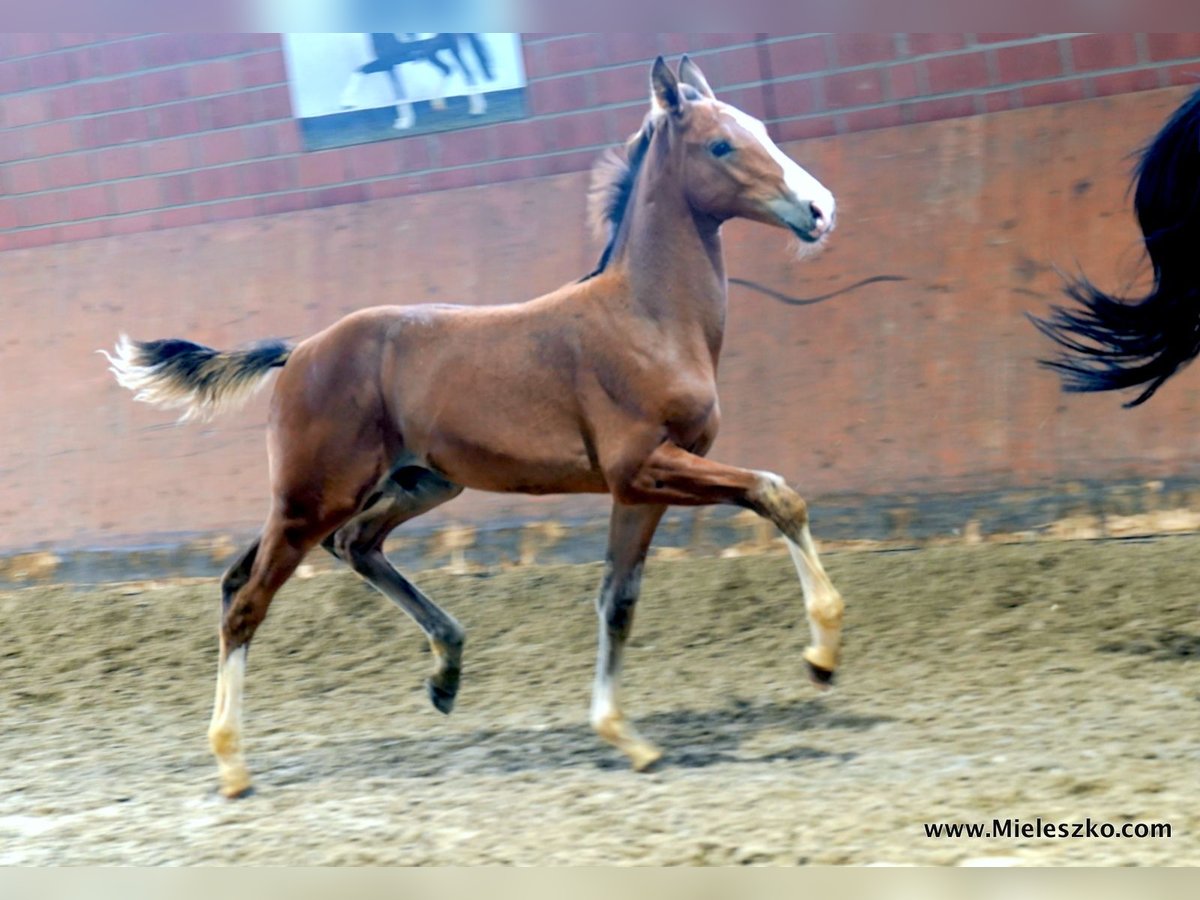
x=117, y=134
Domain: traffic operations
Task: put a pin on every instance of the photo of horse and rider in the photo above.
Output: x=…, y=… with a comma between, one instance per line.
x=353, y=88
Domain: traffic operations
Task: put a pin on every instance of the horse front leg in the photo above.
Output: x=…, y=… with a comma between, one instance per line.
x=631, y=529
x=674, y=476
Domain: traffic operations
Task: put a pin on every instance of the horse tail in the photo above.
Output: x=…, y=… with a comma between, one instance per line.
x=1113, y=342
x=482, y=54
x=174, y=373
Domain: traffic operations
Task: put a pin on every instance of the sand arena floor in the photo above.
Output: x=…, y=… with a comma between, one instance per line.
x=1059, y=680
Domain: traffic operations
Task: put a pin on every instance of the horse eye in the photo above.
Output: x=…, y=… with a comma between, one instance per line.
x=720, y=148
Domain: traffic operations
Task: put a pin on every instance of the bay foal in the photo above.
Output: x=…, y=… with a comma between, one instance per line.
x=607, y=385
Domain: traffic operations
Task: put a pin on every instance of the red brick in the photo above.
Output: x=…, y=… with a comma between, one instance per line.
x=53, y=137
x=39, y=237
x=335, y=196
x=625, y=47
x=124, y=127
x=1029, y=62
x=267, y=176
x=136, y=195
x=1054, y=92
x=63, y=103
x=217, y=147
x=509, y=170
x=23, y=109
x=54, y=68
x=181, y=118
x=1173, y=46
x=803, y=129
x=165, y=49
x=285, y=136
x=76, y=40
x=863, y=48
x=134, y=224
x=262, y=68
x=242, y=208
x=740, y=65
x=570, y=54
x=1103, y=51
x=621, y=85
x=522, y=138
x=452, y=179
x=82, y=231
x=797, y=57
x=795, y=98
x=1186, y=74
x=271, y=103
x=163, y=87
x=867, y=119
x=228, y=111
x=205, y=46
x=852, y=89
x=256, y=141
x=462, y=148
x=320, y=168
x=921, y=43
x=397, y=187
x=175, y=190
x=69, y=170
x=24, y=177
x=998, y=37
x=747, y=99
x=284, y=203
x=220, y=76
x=582, y=129
x=694, y=42
x=215, y=184
x=963, y=72
x=998, y=101
x=41, y=209
x=118, y=162
x=625, y=121
x=87, y=203
x=372, y=160
x=14, y=76
x=168, y=156
x=109, y=59
x=941, y=108
x=180, y=217
x=561, y=94
x=30, y=43
x=904, y=81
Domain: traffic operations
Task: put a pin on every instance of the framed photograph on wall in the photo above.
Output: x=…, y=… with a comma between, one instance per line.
x=354, y=88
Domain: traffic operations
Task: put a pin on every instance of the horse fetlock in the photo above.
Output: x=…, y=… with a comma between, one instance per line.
x=614, y=728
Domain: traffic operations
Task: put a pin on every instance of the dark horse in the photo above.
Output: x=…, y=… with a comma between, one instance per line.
x=606, y=385
x=391, y=53
x=1114, y=343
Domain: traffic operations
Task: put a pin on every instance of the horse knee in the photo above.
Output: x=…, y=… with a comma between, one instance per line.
x=774, y=498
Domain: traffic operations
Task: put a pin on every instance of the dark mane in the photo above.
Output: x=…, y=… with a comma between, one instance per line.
x=613, y=178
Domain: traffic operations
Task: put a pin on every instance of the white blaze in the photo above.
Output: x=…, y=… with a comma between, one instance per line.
x=804, y=188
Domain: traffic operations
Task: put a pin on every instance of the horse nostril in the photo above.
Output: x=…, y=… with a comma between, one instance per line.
x=818, y=216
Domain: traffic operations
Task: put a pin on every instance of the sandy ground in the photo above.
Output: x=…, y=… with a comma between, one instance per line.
x=1051, y=680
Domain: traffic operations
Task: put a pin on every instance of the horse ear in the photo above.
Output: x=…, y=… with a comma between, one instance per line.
x=690, y=74
x=664, y=88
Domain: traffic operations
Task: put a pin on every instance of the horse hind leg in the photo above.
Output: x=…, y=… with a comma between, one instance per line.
x=405, y=494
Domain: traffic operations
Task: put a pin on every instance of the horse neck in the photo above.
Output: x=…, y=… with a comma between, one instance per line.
x=672, y=255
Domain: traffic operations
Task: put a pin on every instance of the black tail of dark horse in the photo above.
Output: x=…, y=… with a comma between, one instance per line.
x=1115, y=343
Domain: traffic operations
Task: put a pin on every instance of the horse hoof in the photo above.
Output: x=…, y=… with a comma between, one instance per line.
x=821, y=678
x=442, y=699
x=237, y=793
x=645, y=759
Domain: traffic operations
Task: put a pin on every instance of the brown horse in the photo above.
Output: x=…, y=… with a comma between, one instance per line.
x=607, y=385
